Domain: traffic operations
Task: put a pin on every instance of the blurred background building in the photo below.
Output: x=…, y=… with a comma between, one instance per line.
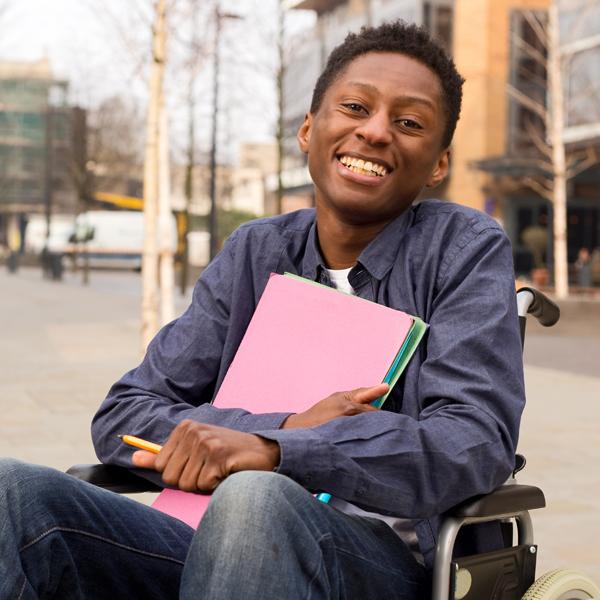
x=42, y=145
x=59, y=159
x=499, y=143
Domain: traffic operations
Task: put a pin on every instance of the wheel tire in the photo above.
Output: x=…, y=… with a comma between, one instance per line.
x=562, y=584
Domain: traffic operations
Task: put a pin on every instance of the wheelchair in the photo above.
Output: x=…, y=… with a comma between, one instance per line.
x=505, y=574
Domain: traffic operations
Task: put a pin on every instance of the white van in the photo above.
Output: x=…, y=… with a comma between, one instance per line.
x=117, y=238
x=61, y=228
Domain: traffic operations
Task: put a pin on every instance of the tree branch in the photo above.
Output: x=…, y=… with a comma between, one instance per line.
x=530, y=50
x=540, y=187
x=540, y=143
x=533, y=77
x=574, y=167
x=537, y=26
x=523, y=99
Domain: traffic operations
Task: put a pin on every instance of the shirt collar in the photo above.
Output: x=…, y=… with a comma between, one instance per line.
x=377, y=258
x=312, y=263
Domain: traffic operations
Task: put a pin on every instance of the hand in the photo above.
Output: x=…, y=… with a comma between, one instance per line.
x=197, y=457
x=340, y=404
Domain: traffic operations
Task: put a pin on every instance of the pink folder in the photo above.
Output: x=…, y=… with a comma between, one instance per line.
x=304, y=342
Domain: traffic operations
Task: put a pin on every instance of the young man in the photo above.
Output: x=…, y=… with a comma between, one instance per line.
x=378, y=131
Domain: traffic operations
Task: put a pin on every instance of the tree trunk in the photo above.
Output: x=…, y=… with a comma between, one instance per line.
x=165, y=229
x=556, y=126
x=150, y=317
x=212, y=222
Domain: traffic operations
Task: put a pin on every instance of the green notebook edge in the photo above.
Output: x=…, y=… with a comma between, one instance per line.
x=408, y=348
x=405, y=353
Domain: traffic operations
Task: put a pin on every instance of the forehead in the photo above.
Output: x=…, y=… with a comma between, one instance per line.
x=393, y=75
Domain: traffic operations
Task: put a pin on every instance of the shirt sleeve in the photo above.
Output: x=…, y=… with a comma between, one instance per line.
x=470, y=395
x=176, y=379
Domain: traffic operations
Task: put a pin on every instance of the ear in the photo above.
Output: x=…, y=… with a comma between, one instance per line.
x=439, y=172
x=304, y=132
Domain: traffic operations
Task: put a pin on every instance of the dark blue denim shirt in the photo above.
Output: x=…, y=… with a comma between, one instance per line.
x=448, y=430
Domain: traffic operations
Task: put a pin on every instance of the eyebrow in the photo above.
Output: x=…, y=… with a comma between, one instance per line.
x=405, y=99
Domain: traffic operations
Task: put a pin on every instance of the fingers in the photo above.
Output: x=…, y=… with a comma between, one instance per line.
x=197, y=457
x=194, y=457
x=143, y=459
x=180, y=460
x=366, y=395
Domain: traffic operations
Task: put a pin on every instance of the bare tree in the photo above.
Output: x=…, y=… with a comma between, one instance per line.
x=265, y=74
x=552, y=163
x=115, y=144
x=152, y=176
x=196, y=52
x=157, y=256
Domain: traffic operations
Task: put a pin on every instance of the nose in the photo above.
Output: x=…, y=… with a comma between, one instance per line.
x=376, y=129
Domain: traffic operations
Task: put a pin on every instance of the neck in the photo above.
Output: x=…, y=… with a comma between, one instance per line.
x=341, y=243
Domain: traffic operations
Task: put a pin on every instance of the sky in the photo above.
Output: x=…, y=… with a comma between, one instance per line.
x=102, y=48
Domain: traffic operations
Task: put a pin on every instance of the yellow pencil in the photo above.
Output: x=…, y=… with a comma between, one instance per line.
x=141, y=444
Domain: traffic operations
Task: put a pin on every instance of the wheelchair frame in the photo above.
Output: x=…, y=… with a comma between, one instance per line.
x=502, y=574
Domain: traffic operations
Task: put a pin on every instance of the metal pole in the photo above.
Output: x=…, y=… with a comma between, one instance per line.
x=191, y=152
x=189, y=189
x=280, y=102
x=212, y=227
x=48, y=172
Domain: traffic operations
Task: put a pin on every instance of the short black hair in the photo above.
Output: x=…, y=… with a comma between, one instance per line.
x=403, y=38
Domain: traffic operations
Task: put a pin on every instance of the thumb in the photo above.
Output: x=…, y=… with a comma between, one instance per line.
x=368, y=394
x=143, y=459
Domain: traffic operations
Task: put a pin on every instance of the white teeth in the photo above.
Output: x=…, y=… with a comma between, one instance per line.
x=358, y=165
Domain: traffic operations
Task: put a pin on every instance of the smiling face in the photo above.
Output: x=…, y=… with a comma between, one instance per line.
x=376, y=139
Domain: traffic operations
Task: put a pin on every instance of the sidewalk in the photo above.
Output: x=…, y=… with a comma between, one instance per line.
x=63, y=345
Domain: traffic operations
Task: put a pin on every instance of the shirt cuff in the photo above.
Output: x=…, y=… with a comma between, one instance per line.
x=293, y=445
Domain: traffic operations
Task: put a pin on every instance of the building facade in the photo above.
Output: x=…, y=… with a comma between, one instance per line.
x=502, y=144
x=41, y=145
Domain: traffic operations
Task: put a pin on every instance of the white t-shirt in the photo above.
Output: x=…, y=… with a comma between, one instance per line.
x=403, y=528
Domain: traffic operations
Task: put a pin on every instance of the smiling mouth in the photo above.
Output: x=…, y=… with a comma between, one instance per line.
x=363, y=167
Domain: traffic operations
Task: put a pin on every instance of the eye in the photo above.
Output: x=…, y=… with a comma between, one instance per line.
x=355, y=107
x=409, y=123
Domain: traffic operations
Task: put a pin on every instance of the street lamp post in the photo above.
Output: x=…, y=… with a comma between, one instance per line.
x=212, y=226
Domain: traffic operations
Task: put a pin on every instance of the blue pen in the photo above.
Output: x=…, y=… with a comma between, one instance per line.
x=324, y=497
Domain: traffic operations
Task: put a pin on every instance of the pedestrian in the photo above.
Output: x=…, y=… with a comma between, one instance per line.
x=583, y=267
x=14, y=245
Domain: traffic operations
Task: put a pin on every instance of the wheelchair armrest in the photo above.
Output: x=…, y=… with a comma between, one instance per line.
x=113, y=478
x=508, y=499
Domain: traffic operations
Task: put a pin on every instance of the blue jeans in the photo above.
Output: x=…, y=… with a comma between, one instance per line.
x=263, y=536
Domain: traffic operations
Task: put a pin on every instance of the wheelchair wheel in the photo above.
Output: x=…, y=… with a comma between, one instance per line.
x=562, y=584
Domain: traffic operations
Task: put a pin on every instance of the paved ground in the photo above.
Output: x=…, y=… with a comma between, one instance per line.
x=62, y=345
